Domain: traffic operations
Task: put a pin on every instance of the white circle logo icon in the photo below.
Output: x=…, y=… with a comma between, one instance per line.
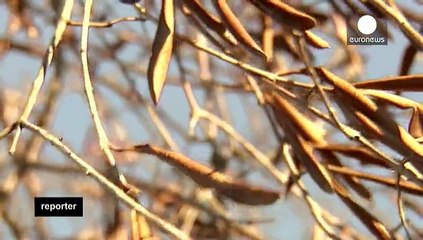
x=367, y=24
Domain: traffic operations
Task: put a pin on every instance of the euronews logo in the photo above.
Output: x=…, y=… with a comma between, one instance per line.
x=368, y=30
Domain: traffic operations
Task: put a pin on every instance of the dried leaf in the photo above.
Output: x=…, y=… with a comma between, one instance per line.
x=210, y=20
x=286, y=42
x=368, y=124
x=353, y=97
x=318, y=233
x=296, y=128
x=285, y=14
x=162, y=51
x=407, y=60
x=353, y=182
x=390, y=182
x=359, y=153
x=368, y=220
x=236, y=28
x=394, y=136
x=415, y=128
x=249, y=195
x=139, y=226
x=315, y=135
x=411, y=83
x=268, y=36
x=317, y=171
x=206, y=35
x=209, y=178
x=308, y=129
x=346, y=89
x=315, y=41
x=396, y=100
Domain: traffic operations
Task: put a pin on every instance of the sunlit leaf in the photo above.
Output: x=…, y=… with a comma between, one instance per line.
x=236, y=27
x=162, y=51
x=285, y=14
x=315, y=41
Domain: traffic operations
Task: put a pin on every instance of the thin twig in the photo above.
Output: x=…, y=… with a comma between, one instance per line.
x=262, y=159
x=246, y=67
x=107, y=24
x=6, y=131
x=400, y=204
x=89, y=170
x=314, y=207
x=89, y=92
x=48, y=57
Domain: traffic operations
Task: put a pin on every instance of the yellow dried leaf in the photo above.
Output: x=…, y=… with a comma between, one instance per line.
x=302, y=148
x=308, y=129
x=416, y=124
x=315, y=135
x=396, y=100
x=351, y=96
x=268, y=36
x=412, y=83
x=315, y=41
x=345, y=88
x=236, y=28
x=162, y=51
